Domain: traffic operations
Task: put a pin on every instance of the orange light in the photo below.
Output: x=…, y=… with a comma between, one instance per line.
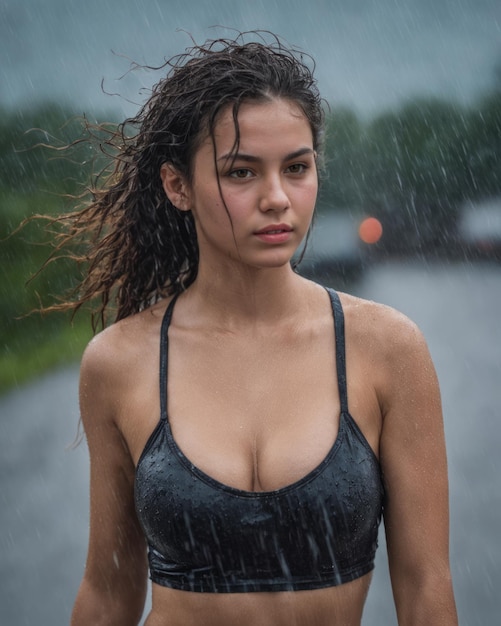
x=370, y=230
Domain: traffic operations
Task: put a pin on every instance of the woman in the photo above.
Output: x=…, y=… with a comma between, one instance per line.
x=254, y=472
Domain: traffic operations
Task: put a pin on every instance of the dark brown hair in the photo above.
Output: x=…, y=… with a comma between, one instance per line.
x=138, y=247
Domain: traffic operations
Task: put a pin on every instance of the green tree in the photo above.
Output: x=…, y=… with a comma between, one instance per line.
x=32, y=149
x=416, y=170
x=484, y=158
x=344, y=163
x=38, y=175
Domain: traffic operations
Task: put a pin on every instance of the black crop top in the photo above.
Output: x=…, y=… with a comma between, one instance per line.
x=205, y=536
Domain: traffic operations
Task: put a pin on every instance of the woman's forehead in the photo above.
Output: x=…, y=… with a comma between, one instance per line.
x=255, y=120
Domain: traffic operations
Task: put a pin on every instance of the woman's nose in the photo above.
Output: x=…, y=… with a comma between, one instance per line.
x=273, y=195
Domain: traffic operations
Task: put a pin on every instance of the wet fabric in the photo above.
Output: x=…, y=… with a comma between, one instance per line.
x=205, y=536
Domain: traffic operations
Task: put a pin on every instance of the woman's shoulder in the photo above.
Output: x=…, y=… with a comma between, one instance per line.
x=113, y=354
x=390, y=349
x=381, y=327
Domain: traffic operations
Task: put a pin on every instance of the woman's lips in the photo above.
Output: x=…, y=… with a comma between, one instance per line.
x=275, y=233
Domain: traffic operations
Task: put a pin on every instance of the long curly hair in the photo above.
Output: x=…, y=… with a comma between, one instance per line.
x=136, y=247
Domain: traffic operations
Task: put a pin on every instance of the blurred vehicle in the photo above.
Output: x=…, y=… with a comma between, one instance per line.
x=334, y=248
x=471, y=230
x=412, y=230
x=479, y=229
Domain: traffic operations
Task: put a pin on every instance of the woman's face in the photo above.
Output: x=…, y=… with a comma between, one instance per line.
x=269, y=186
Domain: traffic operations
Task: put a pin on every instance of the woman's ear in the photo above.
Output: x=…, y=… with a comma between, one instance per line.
x=175, y=187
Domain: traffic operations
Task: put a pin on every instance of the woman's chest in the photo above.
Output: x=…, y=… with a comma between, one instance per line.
x=256, y=415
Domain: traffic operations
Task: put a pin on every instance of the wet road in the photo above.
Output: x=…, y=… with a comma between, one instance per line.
x=43, y=484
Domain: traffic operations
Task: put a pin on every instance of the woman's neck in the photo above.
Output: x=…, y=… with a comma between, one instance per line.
x=248, y=296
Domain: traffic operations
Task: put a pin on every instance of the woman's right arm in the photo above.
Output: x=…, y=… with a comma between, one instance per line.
x=113, y=588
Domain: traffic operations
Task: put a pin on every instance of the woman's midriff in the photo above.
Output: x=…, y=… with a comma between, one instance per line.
x=333, y=606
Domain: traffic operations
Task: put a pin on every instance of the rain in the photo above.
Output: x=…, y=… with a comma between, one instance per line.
x=414, y=146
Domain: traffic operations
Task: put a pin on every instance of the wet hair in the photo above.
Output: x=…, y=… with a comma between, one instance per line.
x=140, y=247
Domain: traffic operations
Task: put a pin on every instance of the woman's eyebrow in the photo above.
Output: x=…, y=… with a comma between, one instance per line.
x=240, y=156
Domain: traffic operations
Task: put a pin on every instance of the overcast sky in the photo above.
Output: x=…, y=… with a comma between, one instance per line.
x=370, y=54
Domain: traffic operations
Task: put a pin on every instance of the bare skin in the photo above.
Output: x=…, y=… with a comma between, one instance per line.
x=253, y=402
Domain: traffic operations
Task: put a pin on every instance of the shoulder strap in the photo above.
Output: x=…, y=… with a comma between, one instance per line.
x=164, y=351
x=338, y=314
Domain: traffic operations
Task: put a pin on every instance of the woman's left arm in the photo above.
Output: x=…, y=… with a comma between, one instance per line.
x=413, y=460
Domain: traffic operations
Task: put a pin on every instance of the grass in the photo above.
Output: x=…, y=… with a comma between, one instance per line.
x=32, y=344
x=20, y=363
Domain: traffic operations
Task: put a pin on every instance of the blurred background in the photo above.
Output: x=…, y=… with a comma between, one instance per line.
x=409, y=215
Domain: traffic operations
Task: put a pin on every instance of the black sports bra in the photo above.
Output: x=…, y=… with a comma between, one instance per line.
x=205, y=536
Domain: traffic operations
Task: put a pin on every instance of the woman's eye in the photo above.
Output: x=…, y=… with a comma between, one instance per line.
x=241, y=173
x=297, y=168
